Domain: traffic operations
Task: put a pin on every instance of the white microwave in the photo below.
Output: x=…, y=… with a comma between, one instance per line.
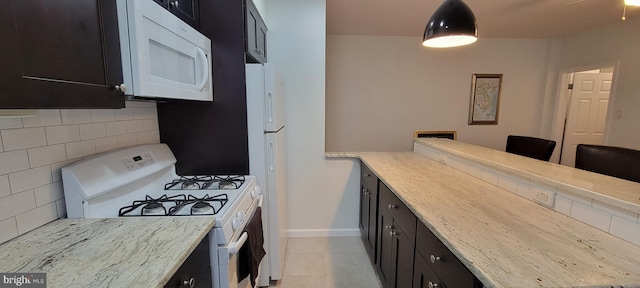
x=162, y=56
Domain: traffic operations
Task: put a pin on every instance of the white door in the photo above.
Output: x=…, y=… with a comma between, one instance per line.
x=587, y=113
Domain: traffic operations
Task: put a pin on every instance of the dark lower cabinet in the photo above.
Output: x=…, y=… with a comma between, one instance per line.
x=423, y=275
x=195, y=271
x=60, y=54
x=396, y=248
x=368, y=212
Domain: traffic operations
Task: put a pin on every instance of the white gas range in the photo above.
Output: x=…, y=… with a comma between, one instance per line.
x=141, y=181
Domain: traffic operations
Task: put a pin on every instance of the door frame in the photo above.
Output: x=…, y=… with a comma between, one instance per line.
x=562, y=103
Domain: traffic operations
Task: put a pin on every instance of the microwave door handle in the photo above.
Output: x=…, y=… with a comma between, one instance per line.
x=234, y=247
x=205, y=63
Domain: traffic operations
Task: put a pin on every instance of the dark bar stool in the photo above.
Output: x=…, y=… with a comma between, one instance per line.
x=608, y=160
x=531, y=147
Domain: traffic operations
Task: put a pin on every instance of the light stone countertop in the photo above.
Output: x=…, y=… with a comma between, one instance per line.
x=617, y=192
x=116, y=252
x=502, y=238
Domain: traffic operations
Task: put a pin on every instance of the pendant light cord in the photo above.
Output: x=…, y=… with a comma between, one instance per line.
x=624, y=12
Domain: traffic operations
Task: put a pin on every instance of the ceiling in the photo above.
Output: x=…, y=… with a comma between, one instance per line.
x=495, y=18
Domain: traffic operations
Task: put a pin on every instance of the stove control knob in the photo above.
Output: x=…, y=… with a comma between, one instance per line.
x=235, y=224
x=255, y=193
x=242, y=216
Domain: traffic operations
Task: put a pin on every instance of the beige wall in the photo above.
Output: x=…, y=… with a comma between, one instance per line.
x=617, y=43
x=381, y=89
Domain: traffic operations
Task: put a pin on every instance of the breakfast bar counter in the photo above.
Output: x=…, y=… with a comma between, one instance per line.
x=504, y=239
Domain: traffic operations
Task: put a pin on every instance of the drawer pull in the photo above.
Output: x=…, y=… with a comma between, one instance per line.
x=392, y=206
x=366, y=175
x=433, y=285
x=189, y=283
x=392, y=233
x=388, y=227
x=435, y=259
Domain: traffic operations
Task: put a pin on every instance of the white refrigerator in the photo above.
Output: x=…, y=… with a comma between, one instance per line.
x=267, y=161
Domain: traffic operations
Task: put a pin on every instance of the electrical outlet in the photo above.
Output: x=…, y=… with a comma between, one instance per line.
x=544, y=197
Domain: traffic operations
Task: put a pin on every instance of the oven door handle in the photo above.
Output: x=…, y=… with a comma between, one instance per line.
x=234, y=247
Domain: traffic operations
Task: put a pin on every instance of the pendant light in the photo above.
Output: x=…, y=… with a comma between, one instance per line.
x=452, y=24
x=632, y=2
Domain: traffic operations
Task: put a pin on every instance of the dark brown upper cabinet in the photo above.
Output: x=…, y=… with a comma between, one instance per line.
x=187, y=10
x=60, y=54
x=256, y=35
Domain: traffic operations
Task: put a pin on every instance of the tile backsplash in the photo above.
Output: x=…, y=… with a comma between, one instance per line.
x=33, y=149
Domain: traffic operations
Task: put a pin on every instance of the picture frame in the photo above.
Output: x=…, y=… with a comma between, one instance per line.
x=484, y=106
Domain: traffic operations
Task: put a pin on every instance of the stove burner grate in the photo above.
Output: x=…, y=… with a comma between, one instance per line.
x=201, y=206
x=206, y=183
x=152, y=207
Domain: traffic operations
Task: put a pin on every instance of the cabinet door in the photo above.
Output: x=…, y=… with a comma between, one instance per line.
x=365, y=201
x=373, y=224
x=385, y=247
x=60, y=54
x=187, y=11
x=423, y=275
x=401, y=258
x=256, y=34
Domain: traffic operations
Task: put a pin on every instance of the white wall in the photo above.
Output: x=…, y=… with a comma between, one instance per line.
x=33, y=149
x=380, y=89
x=323, y=194
x=619, y=42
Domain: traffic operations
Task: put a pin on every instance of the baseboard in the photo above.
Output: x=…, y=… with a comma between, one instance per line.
x=293, y=233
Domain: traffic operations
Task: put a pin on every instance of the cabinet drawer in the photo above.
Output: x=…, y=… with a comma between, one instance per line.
x=423, y=275
x=448, y=268
x=400, y=212
x=367, y=176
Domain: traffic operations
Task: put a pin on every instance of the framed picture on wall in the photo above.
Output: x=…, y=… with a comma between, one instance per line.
x=484, y=106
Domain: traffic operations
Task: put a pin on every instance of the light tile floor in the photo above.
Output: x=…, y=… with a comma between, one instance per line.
x=334, y=262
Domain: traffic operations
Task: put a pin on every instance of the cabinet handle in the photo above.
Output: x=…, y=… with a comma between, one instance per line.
x=122, y=88
x=392, y=233
x=189, y=283
x=174, y=3
x=366, y=175
x=388, y=227
x=435, y=259
x=433, y=285
x=367, y=193
x=392, y=206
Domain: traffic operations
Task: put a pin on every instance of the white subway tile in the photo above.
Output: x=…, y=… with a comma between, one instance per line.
x=116, y=128
x=1, y=146
x=127, y=140
x=48, y=193
x=62, y=134
x=591, y=216
x=92, y=131
x=489, y=177
x=75, y=116
x=458, y=164
x=106, y=144
x=10, y=123
x=13, y=161
x=615, y=211
x=103, y=115
x=626, y=230
x=56, y=172
x=8, y=229
x=144, y=137
x=155, y=136
x=62, y=208
x=574, y=197
x=475, y=171
x=563, y=205
x=135, y=126
x=29, y=179
x=47, y=155
x=150, y=124
x=14, y=139
x=526, y=191
x=5, y=189
x=37, y=217
x=45, y=117
x=124, y=114
x=80, y=149
x=15, y=204
x=508, y=183
x=143, y=113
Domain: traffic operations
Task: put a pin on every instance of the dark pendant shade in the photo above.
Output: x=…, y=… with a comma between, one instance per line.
x=452, y=24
